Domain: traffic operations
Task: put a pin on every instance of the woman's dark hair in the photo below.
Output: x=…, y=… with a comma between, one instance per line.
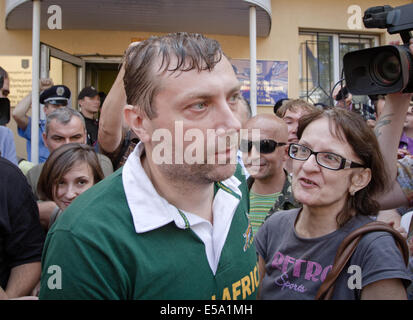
x=60, y=161
x=351, y=128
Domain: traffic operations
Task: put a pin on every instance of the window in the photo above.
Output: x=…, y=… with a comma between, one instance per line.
x=321, y=55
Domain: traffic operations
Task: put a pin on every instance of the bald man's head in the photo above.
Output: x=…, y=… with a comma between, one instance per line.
x=260, y=162
x=270, y=125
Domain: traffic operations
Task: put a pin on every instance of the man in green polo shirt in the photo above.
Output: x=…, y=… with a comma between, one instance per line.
x=172, y=223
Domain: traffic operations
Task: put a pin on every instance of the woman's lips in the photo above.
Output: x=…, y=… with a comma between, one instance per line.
x=67, y=203
x=308, y=183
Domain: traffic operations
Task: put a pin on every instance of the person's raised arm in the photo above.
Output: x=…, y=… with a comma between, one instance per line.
x=110, y=132
x=388, y=131
x=21, y=109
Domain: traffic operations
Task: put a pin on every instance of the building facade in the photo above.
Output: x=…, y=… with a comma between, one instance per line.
x=299, y=45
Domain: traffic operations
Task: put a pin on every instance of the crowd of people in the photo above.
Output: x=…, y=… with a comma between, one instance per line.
x=166, y=191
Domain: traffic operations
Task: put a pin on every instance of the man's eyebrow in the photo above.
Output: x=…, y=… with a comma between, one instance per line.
x=235, y=88
x=206, y=95
x=199, y=95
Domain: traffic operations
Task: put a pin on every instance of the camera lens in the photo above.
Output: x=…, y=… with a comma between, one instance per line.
x=386, y=68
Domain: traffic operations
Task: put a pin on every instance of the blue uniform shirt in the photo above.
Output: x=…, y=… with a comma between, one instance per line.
x=27, y=134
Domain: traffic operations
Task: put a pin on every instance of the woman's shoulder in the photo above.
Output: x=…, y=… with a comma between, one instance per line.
x=380, y=246
x=282, y=218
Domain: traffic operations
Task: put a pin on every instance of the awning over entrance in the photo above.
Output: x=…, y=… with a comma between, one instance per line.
x=228, y=17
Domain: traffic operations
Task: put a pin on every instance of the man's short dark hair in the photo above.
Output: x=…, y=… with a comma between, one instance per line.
x=278, y=104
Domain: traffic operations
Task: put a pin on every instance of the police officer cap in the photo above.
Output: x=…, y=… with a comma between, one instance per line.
x=58, y=95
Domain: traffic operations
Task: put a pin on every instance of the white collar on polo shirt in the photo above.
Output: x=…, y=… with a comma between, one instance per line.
x=150, y=211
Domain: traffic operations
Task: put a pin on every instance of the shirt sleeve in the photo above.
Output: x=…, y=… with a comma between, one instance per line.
x=26, y=133
x=25, y=237
x=380, y=259
x=9, y=147
x=74, y=268
x=260, y=240
x=405, y=177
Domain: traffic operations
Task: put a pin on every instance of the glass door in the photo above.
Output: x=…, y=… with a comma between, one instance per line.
x=63, y=68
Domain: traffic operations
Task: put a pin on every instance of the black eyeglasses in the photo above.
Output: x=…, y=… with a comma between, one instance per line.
x=263, y=146
x=327, y=160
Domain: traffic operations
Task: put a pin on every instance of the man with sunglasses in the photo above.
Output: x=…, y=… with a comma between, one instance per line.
x=52, y=98
x=264, y=157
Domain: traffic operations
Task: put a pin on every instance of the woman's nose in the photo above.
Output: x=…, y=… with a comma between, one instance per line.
x=311, y=163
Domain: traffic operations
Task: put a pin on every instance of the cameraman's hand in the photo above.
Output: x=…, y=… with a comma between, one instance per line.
x=45, y=84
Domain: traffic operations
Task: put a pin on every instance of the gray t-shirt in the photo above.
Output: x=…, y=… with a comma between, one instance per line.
x=295, y=267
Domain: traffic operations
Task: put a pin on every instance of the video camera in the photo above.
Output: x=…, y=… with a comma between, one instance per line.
x=4, y=107
x=385, y=69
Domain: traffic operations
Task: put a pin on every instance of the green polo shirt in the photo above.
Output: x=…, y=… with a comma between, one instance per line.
x=95, y=253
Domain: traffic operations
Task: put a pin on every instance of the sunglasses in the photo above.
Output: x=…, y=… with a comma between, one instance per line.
x=263, y=146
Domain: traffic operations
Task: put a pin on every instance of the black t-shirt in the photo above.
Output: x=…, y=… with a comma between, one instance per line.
x=92, y=127
x=21, y=235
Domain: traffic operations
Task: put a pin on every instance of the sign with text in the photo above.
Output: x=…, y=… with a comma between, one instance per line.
x=19, y=69
x=272, y=80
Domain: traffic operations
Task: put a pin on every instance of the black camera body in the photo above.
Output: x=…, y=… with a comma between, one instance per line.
x=385, y=69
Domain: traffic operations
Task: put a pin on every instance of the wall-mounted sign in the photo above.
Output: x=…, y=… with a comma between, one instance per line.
x=19, y=69
x=272, y=80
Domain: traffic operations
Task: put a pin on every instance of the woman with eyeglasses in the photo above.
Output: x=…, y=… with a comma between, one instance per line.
x=337, y=172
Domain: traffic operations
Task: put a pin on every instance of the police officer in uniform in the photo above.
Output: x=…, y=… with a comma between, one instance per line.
x=52, y=97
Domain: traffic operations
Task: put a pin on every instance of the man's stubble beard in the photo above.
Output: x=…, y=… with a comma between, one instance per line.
x=197, y=174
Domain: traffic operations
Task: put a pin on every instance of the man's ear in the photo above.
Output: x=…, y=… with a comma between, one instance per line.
x=44, y=140
x=360, y=180
x=286, y=156
x=136, y=120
